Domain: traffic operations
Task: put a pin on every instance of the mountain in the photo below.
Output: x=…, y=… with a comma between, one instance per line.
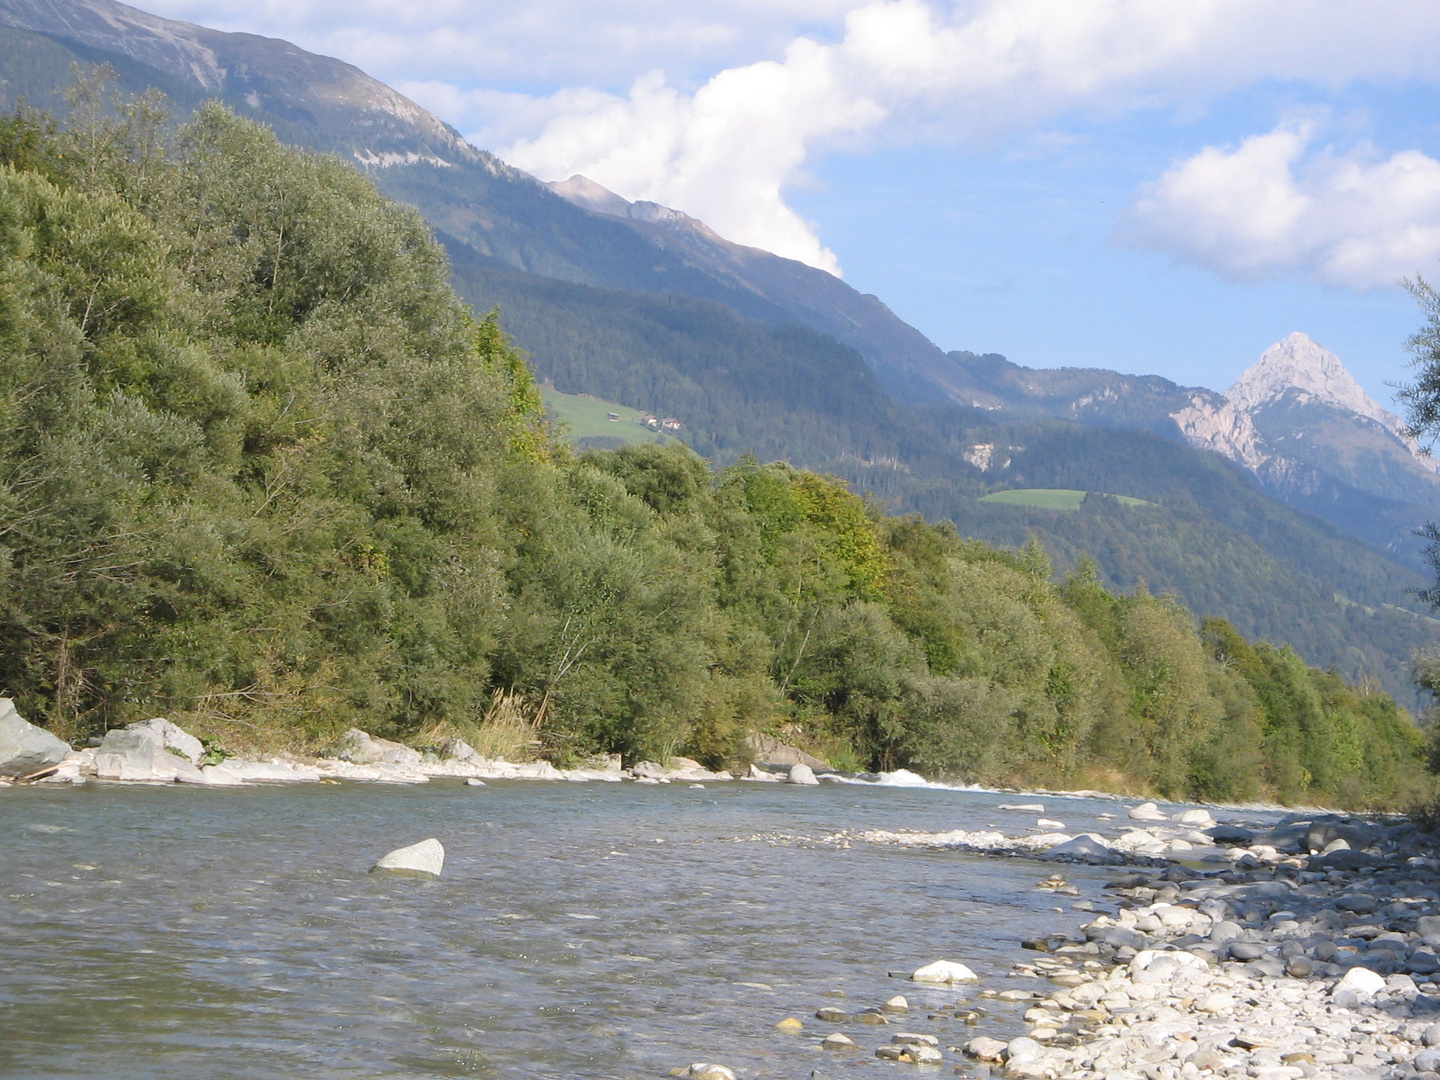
x=642, y=305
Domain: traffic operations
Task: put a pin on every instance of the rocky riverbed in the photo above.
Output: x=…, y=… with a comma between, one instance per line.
x=1314, y=956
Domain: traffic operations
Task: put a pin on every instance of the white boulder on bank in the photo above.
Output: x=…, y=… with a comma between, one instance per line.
x=800, y=773
x=360, y=748
x=945, y=972
x=24, y=748
x=151, y=751
x=426, y=857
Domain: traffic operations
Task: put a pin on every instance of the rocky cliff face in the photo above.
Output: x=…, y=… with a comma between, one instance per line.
x=302, y=94
x=1271, y=421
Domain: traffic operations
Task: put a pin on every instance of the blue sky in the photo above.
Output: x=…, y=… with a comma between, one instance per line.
x=1163, y=186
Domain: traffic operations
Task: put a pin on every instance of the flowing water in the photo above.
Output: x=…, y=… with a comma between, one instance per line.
x=579, y=930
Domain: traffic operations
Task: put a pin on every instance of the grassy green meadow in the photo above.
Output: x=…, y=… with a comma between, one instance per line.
x=1052, y=498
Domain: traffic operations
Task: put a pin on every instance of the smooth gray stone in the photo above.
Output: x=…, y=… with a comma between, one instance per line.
x=1121, y=938
x=1246, y=950
x=1427, y=1061
x=1360, y=904
x=1431, y=1035
x=426, y=857
x=1224, y=931
x=1345, y=860
x=25, y=748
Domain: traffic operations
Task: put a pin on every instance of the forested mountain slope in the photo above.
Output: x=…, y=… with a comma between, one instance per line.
x=660, y=314
x=263, y=472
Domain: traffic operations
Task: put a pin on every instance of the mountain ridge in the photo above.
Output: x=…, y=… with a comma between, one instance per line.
x=603, y=300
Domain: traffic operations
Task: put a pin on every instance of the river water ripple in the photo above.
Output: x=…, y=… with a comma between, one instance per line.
x=579, y=930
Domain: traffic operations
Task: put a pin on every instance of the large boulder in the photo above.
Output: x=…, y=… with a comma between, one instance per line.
x=24, y=748
x=771, y=751
x=140, y=754
x=427, y=857
x=360, y=748
x=802, y=774
x=173, y=738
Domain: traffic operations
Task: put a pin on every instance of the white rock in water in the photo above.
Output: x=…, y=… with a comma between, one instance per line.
x=703, y=1071
x=1197, y=817
x=426, y=857
x=837, y=1041
x=802, y=774
x=25, y=748
x=1086, y=846
x=1032, y=807
x=1148, y=812
x=944, y=971
x=474, y=781
x=985, y=1048
x=1047, y=823
x=1362, y=981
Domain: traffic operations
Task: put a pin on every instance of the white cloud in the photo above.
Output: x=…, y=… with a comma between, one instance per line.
x=728, y=152
x=564, y=86
x=1276, y=205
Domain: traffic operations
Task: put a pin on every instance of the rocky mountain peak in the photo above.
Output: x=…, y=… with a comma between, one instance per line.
x=1299, y=363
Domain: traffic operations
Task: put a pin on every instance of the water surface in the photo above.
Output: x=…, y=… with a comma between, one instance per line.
x=579, y=930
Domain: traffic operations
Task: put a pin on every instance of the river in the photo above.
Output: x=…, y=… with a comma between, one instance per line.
x=579, y=930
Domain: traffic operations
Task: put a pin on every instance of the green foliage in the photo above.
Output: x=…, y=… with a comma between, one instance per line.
x=262, y=471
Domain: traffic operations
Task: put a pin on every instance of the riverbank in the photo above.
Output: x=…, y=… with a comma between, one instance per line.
x=1322, y=963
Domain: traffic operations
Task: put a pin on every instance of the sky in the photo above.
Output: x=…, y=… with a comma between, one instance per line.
x=1155, y=186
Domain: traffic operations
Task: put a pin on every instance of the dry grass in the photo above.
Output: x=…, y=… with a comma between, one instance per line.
x=507, y=730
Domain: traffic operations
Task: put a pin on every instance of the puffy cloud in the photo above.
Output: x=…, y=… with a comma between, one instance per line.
x=728, y=152
x=1275, y=205
x=552, y=84
x=499, y=43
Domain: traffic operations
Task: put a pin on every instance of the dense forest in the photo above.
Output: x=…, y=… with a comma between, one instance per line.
x=263, y=471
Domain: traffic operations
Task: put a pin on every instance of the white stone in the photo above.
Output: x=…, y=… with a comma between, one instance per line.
x=1029, y=807
x=474, y=781
x=1023, y=1049
x=1362, y=981
x=361, y=748
x=1148, y=812
x=1197, y=817
x=837, y=1041
x=801, y=773
x=985, y=1048
x=426, y=857
x=172, y=737
x=138, y=754
x=279, y=772
x=944, y=971
x=1216, y=1003
x=25, y=748
x=704, y=1071
x=913, y=1038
